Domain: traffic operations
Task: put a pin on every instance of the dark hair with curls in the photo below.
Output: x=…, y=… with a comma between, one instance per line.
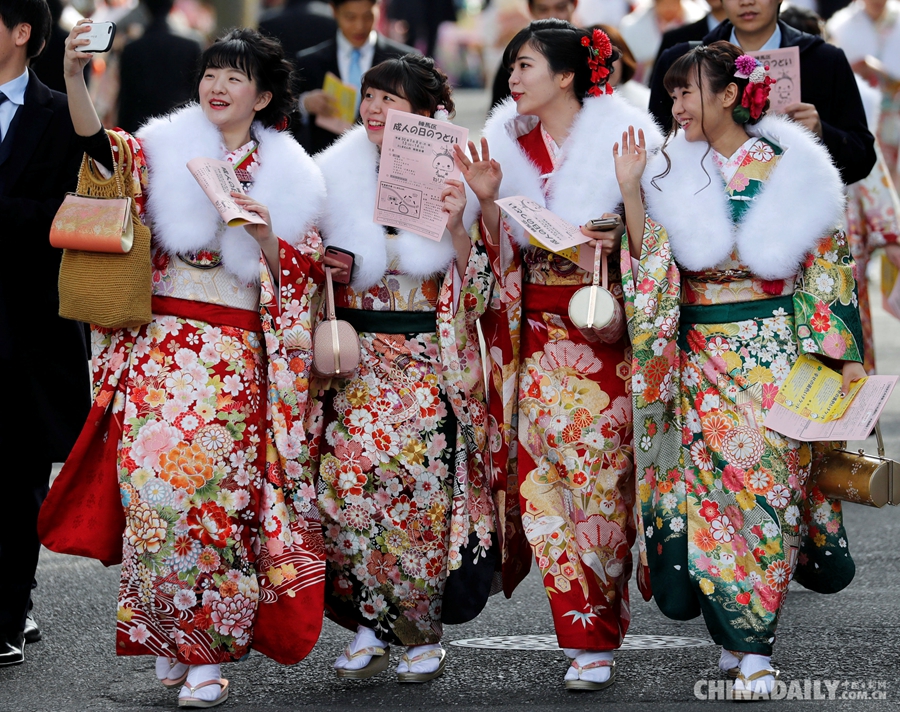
x=414, y=78
x=261, y=58
x=715, y=67
x=560, y=43
x=629, y=62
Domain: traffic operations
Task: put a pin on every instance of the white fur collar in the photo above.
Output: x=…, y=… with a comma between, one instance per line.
x=802, y=200
x=583, y=187
x=183, y=219
x=350, y=170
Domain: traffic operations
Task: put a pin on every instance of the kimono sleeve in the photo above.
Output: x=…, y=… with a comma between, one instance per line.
x=826, y=302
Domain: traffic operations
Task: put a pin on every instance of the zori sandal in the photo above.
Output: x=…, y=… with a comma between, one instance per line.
x=197, y=701
x=381, y=658
x=410, y=676
x=590, y=685
x=748, y=693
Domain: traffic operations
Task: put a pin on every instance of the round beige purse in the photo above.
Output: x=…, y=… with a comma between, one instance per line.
x=594, y=310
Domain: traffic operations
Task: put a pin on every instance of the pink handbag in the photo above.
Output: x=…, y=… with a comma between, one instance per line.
x=594, y=310
x=335, y=342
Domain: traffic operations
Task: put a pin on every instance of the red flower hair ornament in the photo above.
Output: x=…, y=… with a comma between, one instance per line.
x=756, y=93
x=599, y=49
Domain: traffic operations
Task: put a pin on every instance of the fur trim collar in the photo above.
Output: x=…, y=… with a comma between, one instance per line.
x=801, y=202
x=288, y=183
x=581, y=188
x=351, y=174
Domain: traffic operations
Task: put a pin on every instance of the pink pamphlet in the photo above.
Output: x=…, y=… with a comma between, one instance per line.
x=219, y=181
x=416, y=161
x=784, y=68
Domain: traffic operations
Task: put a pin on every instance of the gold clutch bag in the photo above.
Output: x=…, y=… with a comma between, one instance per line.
x=858, y=477
x=104, y=275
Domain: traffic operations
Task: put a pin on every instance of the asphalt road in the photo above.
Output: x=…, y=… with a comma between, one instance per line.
x=846, y=645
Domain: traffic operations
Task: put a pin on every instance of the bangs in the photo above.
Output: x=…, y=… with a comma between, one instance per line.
x=390, y=76
x=230, y=54
x=682, y=71
x=515, y=45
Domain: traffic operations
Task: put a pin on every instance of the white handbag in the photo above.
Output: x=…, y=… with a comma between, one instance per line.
x=594, y=310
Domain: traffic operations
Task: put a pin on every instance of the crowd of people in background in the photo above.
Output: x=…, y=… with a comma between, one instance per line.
x=482, y=431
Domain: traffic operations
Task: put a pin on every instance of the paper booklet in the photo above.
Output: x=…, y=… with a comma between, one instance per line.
x=416, y=161
x=784, y=68
x=546, y=229
x=344, y=96
x=218, y=180
x=809, y=405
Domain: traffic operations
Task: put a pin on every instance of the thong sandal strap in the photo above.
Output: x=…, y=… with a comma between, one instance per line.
x=207, y=683
x=428, y=654
x=759, y=674
x=593, y=665
x=371, y=651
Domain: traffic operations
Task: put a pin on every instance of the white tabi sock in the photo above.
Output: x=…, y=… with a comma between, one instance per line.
x=728, y=661
x=420, y=666
x=751, y=664
x=198, y=674
x=584, y=657
x=169, y=668
x=365, y=638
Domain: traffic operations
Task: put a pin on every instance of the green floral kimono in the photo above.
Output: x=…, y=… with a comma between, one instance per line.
x=728, y=511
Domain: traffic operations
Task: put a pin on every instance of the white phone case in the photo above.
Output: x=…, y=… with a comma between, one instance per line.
x=101, y=37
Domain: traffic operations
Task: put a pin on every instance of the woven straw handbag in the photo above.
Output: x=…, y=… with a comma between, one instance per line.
x=104, y=276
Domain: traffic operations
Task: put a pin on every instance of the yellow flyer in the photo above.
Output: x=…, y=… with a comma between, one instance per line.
x=813, y=391
x=582, y=255
x=343, y=94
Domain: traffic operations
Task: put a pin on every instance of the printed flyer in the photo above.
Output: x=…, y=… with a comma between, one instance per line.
x=218, y=180
x=416, y=161
x=784, y=68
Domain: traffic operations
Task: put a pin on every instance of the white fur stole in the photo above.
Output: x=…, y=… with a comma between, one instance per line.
x=183, y=219
x=350, y=169
x=802, y=200
x=584, y=186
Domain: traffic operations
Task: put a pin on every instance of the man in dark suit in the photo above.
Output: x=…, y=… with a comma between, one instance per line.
x=354, y=49
x=42, y=357
x=829, y=104
x=298, y=26
x=156, y=70
x=695, y=31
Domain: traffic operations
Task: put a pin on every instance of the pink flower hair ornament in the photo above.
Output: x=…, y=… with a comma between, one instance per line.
x=756, y=93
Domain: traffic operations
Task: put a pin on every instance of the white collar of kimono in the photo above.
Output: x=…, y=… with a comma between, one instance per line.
x=350, y=170
x=183, y=219
x=801, y=202
x=583, y=186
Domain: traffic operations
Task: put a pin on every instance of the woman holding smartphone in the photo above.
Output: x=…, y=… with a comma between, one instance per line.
x=559, y=402
x=406, y=507
x=199, y=413
x=720, y=309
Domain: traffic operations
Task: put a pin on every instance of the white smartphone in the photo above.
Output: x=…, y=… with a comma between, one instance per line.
x=100, y=35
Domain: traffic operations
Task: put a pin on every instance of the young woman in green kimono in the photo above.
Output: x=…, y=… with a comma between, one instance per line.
x=737, y=272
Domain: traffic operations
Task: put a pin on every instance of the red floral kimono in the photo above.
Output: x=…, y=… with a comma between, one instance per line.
x=190, y=468
x=560, y=412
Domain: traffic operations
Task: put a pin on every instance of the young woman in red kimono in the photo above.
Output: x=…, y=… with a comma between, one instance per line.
x=197, y=416
x=560, y=410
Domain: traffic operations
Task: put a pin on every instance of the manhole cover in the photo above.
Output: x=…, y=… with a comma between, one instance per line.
x=548, y=642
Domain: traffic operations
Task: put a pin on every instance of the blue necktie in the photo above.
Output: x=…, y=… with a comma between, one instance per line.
x=354, y=74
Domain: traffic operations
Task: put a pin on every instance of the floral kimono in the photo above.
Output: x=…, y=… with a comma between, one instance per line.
x=718, y=311
x=402, y=443
x=196, y=426
x=560, y=407
x=873, y=211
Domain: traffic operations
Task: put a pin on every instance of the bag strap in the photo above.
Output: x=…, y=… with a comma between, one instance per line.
x=332, y=319
x=329, y=295
x=600, y=266
x=879, y=439
x=89, y=178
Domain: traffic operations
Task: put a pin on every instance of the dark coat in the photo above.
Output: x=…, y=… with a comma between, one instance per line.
x=313, y=64
x=693, y=32
x=826, y=81
x=297, y=27
x=43, y=356
x=158, y=73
